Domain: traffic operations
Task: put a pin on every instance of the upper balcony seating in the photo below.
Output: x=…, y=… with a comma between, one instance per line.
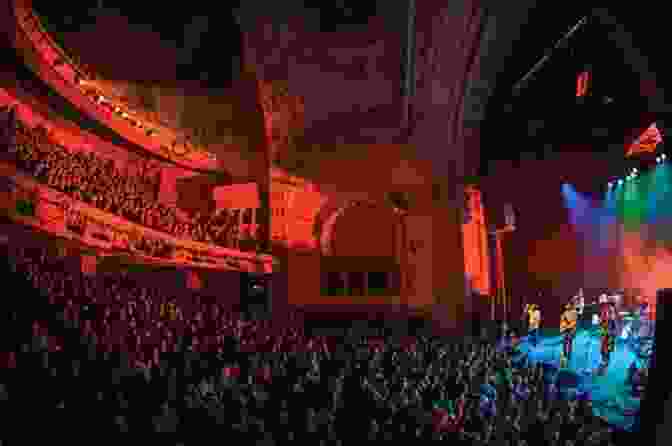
x=95, y=181
x=85, y=94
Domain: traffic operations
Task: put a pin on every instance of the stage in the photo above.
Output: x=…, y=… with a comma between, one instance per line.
x=610, y=394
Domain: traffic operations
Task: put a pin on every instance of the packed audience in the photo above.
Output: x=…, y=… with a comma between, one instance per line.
x=95, y=181
x=198, y=365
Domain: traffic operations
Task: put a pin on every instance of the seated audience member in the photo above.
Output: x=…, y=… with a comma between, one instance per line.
x=88, y=178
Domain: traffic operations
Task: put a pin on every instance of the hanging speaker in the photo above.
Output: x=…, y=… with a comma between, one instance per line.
x=256, y=294
x=509, y=215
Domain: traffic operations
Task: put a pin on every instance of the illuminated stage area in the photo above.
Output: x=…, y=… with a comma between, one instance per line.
x=611, y=393
x=626, y=235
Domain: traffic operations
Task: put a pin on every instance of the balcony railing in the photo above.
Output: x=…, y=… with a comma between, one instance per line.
x=110, y=233
x=71, y=72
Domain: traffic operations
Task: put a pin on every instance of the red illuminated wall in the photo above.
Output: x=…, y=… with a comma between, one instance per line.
x=367, y=231
x=475, y=239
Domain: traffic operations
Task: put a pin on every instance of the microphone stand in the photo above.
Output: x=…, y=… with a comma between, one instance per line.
x=589, y=343
x=587, y=370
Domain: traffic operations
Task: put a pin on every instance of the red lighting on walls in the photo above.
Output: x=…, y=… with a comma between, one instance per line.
x=647, y=141
x=582, y=84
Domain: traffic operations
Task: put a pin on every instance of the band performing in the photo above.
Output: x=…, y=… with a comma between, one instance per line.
x=611, y=321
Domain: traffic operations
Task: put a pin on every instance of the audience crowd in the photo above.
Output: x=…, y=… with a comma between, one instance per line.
x=193, y=364
x=91, y=179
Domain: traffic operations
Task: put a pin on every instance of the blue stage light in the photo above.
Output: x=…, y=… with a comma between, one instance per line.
x=620, y=181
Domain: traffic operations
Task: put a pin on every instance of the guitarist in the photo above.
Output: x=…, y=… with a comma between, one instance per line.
x=568, y=330
x=534, y=319
x=607, y=331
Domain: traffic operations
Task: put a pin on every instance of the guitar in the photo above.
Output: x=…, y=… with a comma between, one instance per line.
x=568, y=321
x=535, y=319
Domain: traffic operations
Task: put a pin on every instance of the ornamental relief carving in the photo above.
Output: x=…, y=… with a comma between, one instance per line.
x=283, y=114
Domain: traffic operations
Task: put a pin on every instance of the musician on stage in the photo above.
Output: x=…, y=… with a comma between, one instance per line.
x=568, y=330
x=580, y=302
x=642, y=326
x=607, y=331
x=534, y=319
x=524, y=318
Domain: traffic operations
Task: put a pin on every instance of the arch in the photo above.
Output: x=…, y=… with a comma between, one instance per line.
x=323, y=215
x=329, y=215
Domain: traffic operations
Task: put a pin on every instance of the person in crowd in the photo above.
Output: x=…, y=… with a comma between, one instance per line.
x=303, y=391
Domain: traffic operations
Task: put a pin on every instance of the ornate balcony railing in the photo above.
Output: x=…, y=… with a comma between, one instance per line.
x=125, y=122
x=58, y=213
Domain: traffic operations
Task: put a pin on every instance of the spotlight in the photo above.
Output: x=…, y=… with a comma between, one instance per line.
x=620, y=182
x=609, y=184
x=658, y=159
x=663, y=157
x=634, y=170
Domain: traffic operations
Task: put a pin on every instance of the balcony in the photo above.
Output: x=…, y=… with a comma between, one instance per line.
x=78, y=86
x=73, y=211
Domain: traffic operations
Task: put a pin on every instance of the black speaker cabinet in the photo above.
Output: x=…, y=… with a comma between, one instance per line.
x=255, y=299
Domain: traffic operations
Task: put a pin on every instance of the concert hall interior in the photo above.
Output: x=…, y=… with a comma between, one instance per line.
x=454, y=216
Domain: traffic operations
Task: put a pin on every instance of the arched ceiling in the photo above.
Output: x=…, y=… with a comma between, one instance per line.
x=517, y=35
x=170, y=41
x=544, y=118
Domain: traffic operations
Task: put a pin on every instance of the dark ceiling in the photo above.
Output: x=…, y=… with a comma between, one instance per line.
x=542, y=117
x=206, y=39
x=203, y=46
